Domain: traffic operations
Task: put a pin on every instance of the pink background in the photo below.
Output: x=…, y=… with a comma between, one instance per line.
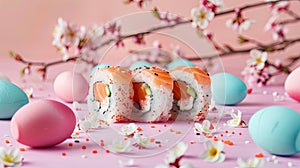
x=27, y=25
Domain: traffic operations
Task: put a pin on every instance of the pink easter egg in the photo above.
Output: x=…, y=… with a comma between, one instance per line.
x=43, y=123
x=292, y=84
x=71, y=86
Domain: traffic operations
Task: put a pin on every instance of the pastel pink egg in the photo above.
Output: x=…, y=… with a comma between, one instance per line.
x=71, y=86
x=292, y=84
x=43, y=123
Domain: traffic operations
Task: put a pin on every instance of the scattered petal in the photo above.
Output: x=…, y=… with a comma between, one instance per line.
x=120, y=146
x=129, y=130
x=250, y=163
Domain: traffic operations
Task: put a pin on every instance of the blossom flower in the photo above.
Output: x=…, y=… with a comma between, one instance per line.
x=201, y=17
x=280, y=6
x=113, y=28
x=120, y=146
x=258, y=59
x=169, y=18
x=129, y=130
x=176, y=153
x=10, y=157
x=141, y=140
x=279, y=32
x=213, y=5
x=206, y=127
x=239, y=25
x=250, y=163
x=271, y=23
x=236, y=119
x=213, y=152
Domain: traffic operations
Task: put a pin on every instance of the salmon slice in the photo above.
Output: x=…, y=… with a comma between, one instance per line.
x=100, y=92
x=201, y=76
x=180, y=90
x=161, y=77
x=139, y=92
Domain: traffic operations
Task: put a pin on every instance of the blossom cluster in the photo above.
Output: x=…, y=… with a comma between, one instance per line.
x=71, y=39
x=273, y=25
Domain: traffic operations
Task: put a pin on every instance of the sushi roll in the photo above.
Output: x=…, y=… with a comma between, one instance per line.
x=110, y=94
x=152, y=95
x=191, y=93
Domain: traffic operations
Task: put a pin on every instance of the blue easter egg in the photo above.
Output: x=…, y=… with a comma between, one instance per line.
x=11, y=99
x=276, y=129
x=179, y=62
x=228, y=89
x=140, y=64
x=99, y=66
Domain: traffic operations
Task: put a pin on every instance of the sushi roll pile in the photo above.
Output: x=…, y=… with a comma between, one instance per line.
x=148, y=94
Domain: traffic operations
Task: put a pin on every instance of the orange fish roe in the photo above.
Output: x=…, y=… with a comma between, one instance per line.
x=178, y=132
x=192, y=142
x=259, y=155
x=22, y=149
x=216, y=139
x=152, y=140
x=208, y=136
x=139, y=129
x=227, y=142
x=171, y=130
x=94, y=151
x=153, y=126
x=125, y=138
x=63, y=154
x=7, y=141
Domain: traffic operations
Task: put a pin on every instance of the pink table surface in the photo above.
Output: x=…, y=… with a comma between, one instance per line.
x=52, y=157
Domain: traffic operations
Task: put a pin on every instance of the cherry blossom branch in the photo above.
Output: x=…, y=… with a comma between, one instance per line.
x=271, y=47
x=226, y=51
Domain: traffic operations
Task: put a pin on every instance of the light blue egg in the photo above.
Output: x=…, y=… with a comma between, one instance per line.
x=140, y=64
x=228, y=89
x=179, y=62
x=11, y=99
x=99, y=66
x=276, y=129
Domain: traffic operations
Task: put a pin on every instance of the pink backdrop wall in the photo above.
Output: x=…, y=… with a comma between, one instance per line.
x=26, y=26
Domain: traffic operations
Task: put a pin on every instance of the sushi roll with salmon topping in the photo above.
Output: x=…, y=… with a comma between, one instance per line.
x=192, y=93
x=152, y=95
x=110, y=94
